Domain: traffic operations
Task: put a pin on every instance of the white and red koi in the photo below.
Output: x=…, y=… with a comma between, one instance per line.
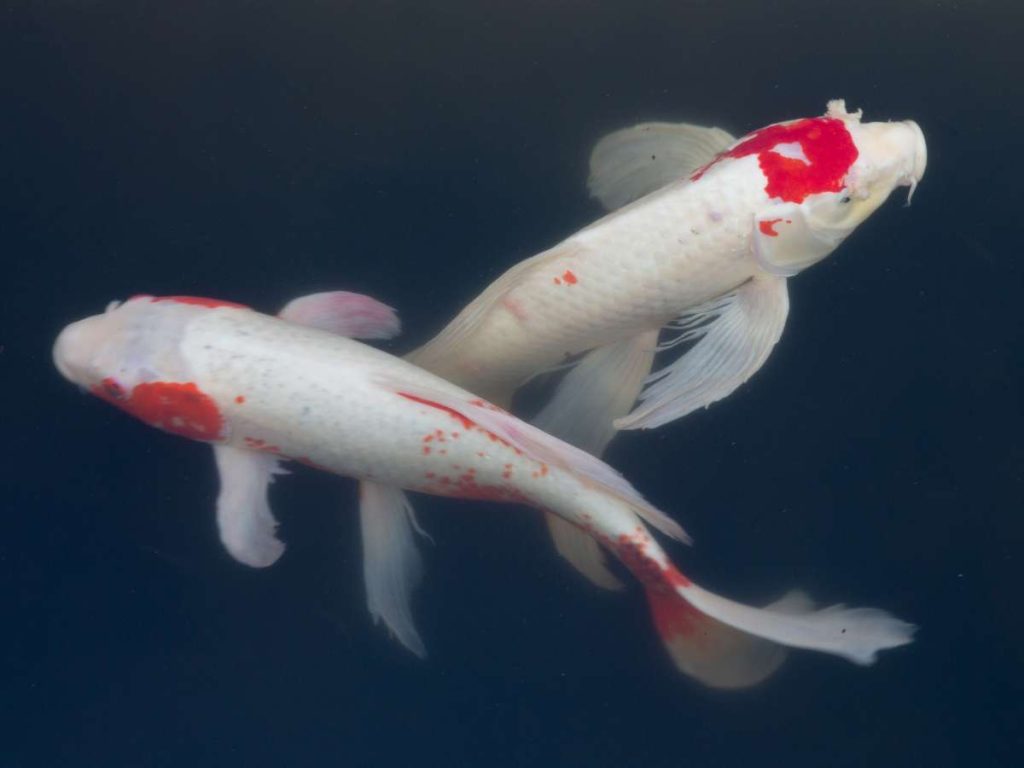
x=710, y=231
x=261, y=389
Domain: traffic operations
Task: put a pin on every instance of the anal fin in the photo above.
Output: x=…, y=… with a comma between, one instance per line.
x=602, y=387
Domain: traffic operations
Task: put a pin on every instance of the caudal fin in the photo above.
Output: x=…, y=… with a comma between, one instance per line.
x=725, y=644
x=714, y=653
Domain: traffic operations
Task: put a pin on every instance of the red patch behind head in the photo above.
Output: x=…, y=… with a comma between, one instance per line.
x=824, y=141
x=179, y=408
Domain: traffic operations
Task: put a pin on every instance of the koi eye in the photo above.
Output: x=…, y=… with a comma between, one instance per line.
x=845, y=199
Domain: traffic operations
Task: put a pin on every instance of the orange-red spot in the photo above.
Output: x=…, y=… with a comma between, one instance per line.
x=767, y=227
x=558, y=281
x=180, y=408
x=200, y=301
x=426, y=450
x=240, y=399
x=569, y=277
x=824, y=141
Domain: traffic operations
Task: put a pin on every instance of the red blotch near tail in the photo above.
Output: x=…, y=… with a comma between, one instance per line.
x=175, y=407
x=824, y=141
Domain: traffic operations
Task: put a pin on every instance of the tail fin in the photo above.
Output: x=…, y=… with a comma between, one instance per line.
x=714, y=653
x=725, y=644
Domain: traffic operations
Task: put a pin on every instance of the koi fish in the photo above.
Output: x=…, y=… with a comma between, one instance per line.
x=708, y=230
x=262, y=389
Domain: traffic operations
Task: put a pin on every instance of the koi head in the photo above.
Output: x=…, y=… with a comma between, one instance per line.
x=825, y=177
x=131, y=357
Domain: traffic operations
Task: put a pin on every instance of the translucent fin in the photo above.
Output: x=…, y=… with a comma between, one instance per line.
x=736, y=334
x=785, y=242
x=542, y=447
x=856, y=634
x=581, y=551
x=714, y=653
x=247, y=526
x=602, y=387
x=343, y=313
x=630, y=163
x=392, y=567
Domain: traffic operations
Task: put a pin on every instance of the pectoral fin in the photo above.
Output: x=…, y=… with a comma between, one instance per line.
x=247, y=526
x=734, y=336
x=630, y=163
x=602, y=387
x=343, y=313
x=392, y=566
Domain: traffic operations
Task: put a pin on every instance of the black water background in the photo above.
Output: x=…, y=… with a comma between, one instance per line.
x=257, y=151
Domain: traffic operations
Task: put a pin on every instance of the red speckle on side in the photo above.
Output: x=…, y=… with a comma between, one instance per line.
x=175, y=407
x=200, y=301
x=824, y=141
x=569, y=277
x=240, y=399
x=767, y=227
x=557, y=280
x=258, y=444
x=426, y=450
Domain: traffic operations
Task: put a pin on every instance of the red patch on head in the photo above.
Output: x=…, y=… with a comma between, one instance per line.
x=768, y=227
x=200, y=301
x=824, y=141
x=179, y=408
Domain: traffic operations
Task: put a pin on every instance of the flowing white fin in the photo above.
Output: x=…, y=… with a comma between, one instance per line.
x=343, y=313
x=735, y=336
x=714, y=653
x=542, y=447
x=246, y=524
x=392, y=566
x=627, y=164
x=600, y=388
x=856, y=634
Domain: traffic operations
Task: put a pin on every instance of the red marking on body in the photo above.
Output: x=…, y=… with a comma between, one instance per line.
x=824, y=141
x=514, y=307
x=175, y=407
x=569, y=277
x=768, y=227
x=467, y=423
x=200, y=301
x=557, y=281
x=240, y=399
x=259, y=444
x=426, y=450
x=428, y=438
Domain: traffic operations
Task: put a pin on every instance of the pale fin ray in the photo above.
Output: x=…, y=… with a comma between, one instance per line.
x=246, y=524
x=855, y=634
x=392, y=566
x=629, y=163
x=600, y=388
x=737, y=335
x=346, y=314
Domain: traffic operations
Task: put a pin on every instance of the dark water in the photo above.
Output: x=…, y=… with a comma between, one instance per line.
x=260, y=150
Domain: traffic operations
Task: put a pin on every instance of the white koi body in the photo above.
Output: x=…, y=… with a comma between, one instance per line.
x=697, y=250
x=261, y=389
x=710, y=231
